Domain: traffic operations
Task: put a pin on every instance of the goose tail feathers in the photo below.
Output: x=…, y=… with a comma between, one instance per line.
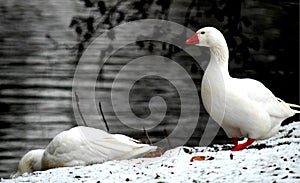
x=294, y=107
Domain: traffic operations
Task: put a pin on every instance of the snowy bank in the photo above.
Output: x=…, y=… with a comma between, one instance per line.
x=273, y=160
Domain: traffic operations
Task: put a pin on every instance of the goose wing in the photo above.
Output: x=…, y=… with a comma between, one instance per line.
x=262, y=96
x=85, y=145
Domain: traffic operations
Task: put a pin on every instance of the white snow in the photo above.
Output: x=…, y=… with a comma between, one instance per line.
x=272, y=160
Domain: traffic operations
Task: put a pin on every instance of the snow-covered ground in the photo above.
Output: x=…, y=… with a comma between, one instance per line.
x=274, y=160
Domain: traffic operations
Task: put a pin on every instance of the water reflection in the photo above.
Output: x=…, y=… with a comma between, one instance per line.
x=35, y=79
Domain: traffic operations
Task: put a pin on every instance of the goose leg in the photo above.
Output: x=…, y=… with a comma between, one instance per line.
x=239, y=147
x=235, y=141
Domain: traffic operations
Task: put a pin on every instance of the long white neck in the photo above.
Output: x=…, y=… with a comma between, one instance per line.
x=219, y=58
x=213, y=89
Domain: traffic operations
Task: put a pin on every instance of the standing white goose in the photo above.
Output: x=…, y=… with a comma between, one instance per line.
x=242, y=107
x=82, y=146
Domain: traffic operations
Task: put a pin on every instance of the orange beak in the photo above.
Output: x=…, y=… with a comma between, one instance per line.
x=193, y=40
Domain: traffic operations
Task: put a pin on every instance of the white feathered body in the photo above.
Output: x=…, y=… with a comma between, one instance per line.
x=84, y=146
x=242, y=107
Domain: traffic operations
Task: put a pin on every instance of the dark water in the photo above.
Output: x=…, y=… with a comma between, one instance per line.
x=35, y=78
x=36, y=73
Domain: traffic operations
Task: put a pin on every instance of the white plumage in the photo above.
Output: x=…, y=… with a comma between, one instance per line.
x=82, y=146
x=242, y=107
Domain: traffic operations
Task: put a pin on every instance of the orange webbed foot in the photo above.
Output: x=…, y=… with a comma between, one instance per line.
x=239, y=147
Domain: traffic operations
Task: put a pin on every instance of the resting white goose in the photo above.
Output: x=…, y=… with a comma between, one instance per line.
x=82, y=146
x=242, y=107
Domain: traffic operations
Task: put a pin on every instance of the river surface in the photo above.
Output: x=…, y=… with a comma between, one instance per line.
x=36, y=78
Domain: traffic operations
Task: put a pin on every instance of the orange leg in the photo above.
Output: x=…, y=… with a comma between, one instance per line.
x=239, y=147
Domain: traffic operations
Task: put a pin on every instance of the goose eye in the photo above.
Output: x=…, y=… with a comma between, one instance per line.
x=202, y=32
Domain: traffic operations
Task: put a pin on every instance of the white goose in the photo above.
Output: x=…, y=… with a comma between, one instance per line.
x=82, y=146
x=242, y=107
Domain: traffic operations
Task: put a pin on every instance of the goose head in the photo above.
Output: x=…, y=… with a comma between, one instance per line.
x=207, y=36
x=30, y=162
x=213, y=39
